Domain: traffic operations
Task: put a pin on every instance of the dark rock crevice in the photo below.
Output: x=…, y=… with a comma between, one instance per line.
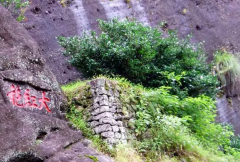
x=25, y=158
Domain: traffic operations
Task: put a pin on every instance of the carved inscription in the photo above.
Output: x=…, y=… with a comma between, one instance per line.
x=27, y=100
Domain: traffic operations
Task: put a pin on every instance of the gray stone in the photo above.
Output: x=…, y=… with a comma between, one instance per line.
x=100, y=110
x=107, y=134
x=104, y=108
x=113, y=109
x=96, y=112
x=96, y=100
x=87, y=142
x=119, y=106
x=104, y=103
x=110, y=103
x=115, y=128
x=116, y=100
x=118, y=135
x=108, y=121
x=110, y=92
x=92, y=91
x=101, y=82
x=112, y=140
x=103, y=128
x=122, y=129
x=111, y=99
x=116, y=93
x=93, y=124
x=95, y=106
x=101, y=91
x=103, y=115
x=103, y=97
x=120, y=124
x=123, y=136
x=119, y=110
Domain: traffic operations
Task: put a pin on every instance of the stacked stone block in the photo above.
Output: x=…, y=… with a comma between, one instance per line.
x=106, y=112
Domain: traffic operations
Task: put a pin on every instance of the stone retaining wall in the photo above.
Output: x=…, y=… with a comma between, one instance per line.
x=106, y=115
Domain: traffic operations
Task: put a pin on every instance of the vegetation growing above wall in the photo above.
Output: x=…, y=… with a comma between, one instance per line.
x=142, y=55
x=164, y=124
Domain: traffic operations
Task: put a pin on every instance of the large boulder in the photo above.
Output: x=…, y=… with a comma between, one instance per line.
x=31, y=102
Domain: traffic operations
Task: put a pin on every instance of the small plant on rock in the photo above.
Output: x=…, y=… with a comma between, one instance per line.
x=227, y=67
x=17, y=7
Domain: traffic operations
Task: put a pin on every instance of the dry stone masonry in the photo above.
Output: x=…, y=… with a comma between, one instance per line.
x=106, y=113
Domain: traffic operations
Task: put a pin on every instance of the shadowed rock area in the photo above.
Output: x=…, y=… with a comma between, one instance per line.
x=31, y=119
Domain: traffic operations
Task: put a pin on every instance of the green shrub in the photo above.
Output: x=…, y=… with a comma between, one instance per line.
x=17, y=7
x=227, y=68
x=142, y=55
x=198, y=114
x=235, y=142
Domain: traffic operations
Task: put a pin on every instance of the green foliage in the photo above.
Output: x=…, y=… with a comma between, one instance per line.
x=197, y=114
x=76, y=117
x=94, y=158
x=37, y=142
x=142, y=55
x=228, y=69
x=235, y=142
x=167, y=125
x=72, y=89
x=16, y=6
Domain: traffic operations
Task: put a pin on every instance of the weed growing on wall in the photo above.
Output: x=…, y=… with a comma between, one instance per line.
x=18, y=7
x=227, y=67
x=142, y=55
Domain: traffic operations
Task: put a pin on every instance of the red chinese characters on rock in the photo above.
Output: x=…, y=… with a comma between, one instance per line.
x=15, y=98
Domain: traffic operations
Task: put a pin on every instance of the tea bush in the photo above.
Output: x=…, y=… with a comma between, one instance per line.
x=142, y=55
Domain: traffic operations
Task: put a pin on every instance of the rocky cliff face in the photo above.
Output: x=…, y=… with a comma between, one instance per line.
x=31, y=102
x=215, y=22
